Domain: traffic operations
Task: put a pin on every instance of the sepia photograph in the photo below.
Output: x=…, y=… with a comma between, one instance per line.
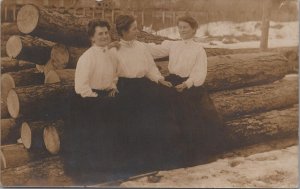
x=149, y=93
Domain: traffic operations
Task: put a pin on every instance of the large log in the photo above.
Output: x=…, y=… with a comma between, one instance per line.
x=16, y=155
x=32, y=135
x=265, y=126
x=7, y=30
x=279, y=94
x=35, y=101
x=232, y=71
x=36, y=50
x=10, y=131
x=4, y=109
x=13, y=65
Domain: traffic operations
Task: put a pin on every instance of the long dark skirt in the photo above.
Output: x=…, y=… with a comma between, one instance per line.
x=89, y=141
x=201, y=127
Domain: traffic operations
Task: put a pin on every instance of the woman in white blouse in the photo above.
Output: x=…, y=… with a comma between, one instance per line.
x=201, y=125
x=90, y=127
x=139, y=82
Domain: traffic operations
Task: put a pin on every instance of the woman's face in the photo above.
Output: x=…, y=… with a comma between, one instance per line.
x=185, y=30
x=131, y=34
x=101, y=36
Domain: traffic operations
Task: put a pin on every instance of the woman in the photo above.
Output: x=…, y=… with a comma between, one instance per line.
x=139, y=81
x=201, y=125
x=89, y=131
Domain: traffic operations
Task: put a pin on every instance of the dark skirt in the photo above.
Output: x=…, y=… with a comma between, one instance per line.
x=201, y=128
x=89, y=136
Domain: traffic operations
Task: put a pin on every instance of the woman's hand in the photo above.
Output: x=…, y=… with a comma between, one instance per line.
x=114, y=44
x=165, y=83
x=181, y=87
x=113, y=93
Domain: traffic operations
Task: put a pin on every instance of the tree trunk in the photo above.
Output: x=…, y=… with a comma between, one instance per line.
x=13, y=65
x=9, y=131
x=53, y=132
x=35, y=101
x=7, y=30
x=17, y=79
x=52, y=25
x=55, y=76
x=16, y=155
x=234, y=103
x=29, y=49
x=262, y=127
x=241, y=70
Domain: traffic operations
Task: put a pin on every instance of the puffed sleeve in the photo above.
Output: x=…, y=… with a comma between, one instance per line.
x=153, y=73
x=115, y=62
x=199, y=71
x=82, y=74
x=159, y=51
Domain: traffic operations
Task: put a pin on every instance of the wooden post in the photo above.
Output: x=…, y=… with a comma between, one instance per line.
x=93, y=12
x=103, y=12
x=14, y=12
x=265, y=24
x=5, y=13
x=143, y=18
x=112, y=16
x=163, y=17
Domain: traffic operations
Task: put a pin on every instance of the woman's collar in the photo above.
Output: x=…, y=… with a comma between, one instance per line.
x=186, y=41
x=103, y=49
x=127, y=43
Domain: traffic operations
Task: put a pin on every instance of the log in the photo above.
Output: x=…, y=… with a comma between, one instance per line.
x=7, y=30
x=29, y=48
x=11, y=80
x=52, y=135
x=32, y=135
x=279, y=94
x=52, y=25
x=13, y=65
x=16, y=155
x=265, y=126
x=35, y=101
x=241, y=70
x=9, y=131
x=56, y=76
x=4, y=109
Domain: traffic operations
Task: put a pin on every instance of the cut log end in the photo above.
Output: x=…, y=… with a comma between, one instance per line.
x=26, y=135
x=27, y=18
x=51, y=139
x=7, y=83
x=40, y=68
x=51, y=77
x=13, y=46
x=60, y=56
x=13, y=103
x=3, y=160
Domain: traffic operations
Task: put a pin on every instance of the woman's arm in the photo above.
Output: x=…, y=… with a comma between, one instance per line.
x=199, y=71
x=82, y=75
x=159, y=51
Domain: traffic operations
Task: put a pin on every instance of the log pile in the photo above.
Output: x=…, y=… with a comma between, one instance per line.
x=251, y=89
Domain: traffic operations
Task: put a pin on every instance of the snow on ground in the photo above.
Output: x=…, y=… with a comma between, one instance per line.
x=277, y=168
x=240, y=35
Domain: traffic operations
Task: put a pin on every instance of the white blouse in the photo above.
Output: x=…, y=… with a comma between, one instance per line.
x=187, y=58
x=135, y=61
x=96, y=69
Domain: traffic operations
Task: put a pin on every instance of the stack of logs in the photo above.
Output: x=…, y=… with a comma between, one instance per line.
x=251, y=89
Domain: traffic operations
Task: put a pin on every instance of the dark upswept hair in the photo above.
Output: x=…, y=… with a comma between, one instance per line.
x=190, y=20
x=94, y=23
x=123, y=23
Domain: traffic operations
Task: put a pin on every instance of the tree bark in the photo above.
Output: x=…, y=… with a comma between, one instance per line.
x=16, y=155
x=29, y=49
x=35, y=101
x=10, y=131
x=262, y=127
x=13, y=65
x=234, y=103
x=241, y=70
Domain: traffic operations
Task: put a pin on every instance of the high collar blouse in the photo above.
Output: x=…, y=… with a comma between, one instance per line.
x=135, y=61
x=96, y=69
x=187, y=58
